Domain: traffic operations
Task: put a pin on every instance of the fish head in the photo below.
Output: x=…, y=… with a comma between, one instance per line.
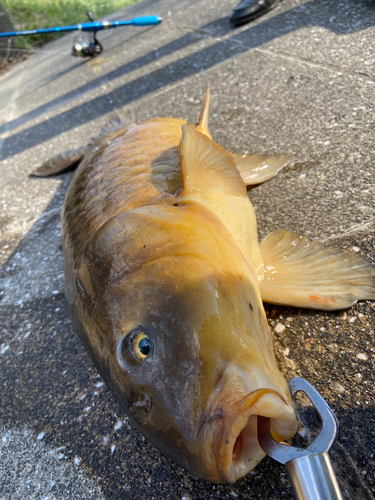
x=179, y=333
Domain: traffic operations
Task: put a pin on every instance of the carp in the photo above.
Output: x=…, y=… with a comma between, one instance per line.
x=165, y=281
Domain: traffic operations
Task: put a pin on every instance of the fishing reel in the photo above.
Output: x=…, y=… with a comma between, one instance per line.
x=89, y=46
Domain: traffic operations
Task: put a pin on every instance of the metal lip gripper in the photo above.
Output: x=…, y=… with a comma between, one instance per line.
x=309, y=469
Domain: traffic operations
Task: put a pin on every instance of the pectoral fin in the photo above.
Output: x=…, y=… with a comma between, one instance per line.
x=255, y=169
x=300, y=273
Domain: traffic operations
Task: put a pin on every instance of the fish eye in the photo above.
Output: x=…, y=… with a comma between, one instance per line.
x=142, y=345
x=135, y=347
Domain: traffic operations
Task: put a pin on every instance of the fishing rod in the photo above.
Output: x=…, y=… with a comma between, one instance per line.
x=91, y=47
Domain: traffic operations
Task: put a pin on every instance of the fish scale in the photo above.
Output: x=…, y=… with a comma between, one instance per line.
x=123, y=175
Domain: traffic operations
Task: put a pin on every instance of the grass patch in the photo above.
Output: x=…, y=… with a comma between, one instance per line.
x=34, y=14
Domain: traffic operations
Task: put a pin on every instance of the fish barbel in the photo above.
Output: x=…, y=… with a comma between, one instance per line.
x=165, y=283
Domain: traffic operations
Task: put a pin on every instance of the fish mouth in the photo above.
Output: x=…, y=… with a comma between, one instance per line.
x=239, y=448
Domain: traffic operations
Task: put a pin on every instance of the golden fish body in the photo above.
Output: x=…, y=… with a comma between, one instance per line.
x=164, y=277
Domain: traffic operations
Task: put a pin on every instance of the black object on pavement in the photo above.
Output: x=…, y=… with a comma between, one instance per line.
x=247, y=10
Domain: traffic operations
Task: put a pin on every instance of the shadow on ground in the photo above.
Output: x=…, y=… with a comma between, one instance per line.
x=334, y=18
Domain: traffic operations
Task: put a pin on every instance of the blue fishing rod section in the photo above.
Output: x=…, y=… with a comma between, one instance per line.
x=92, y=27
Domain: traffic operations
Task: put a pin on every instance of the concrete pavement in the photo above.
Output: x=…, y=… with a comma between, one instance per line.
x=299, y=80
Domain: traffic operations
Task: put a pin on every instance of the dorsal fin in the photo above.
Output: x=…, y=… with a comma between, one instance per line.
x=203, y=119
x=206, y=165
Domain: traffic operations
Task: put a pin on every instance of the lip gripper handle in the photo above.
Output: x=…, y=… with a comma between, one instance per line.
x=313, y=478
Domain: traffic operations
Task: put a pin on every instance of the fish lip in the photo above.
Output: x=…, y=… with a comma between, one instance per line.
x=248, y=401
x=240, y=420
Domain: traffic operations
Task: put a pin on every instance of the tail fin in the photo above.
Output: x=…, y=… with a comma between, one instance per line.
x=70, y=160
x=64, y=162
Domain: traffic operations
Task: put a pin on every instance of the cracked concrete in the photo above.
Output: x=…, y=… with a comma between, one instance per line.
x=299, y=80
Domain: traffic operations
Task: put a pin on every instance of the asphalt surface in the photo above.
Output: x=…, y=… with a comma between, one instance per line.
x=300, y=80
